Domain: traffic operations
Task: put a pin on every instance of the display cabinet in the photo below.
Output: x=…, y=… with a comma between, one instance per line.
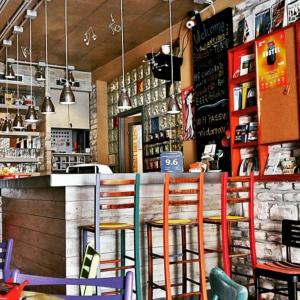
x=61, y=161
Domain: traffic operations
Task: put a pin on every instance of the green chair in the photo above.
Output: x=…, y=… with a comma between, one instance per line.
x=224, y=288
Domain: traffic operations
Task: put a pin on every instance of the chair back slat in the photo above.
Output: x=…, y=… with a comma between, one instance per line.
x=117, y=182
x=121, y=283
x=182, y=192
x=117, y=206
x=291, y=233
x=184, y=180
x=182, y=202
x=117, y=194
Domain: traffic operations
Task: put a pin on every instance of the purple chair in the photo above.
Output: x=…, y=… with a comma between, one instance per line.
x=6, y=248
x=122, y=283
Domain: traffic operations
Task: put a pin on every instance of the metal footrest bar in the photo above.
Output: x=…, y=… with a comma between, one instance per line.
x=185, y=261
x=130, y=258
x=117, y=268
x=192, y=281
x=191, y=251
x=206, y=250
x=163, y=286
x=186, y=295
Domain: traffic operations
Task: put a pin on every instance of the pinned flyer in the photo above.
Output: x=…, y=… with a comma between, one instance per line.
x=271, y=60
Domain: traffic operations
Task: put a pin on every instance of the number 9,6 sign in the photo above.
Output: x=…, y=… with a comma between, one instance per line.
x=171, y=161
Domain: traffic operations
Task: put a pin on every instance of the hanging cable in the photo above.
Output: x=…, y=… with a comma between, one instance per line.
x=18, y=86
x=30, y=58
x=46, y=50
x=66, y=36
x=172, y=77
x=122, y=43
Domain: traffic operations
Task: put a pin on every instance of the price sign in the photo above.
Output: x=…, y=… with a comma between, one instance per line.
x=171, y=162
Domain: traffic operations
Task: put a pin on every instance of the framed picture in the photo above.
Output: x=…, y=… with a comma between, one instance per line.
x=278, y=14
x=293, y=11
x=262, y=23
x=247, y=64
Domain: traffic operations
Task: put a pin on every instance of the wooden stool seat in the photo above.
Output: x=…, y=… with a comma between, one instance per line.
x=217, y=219
x=175, y=222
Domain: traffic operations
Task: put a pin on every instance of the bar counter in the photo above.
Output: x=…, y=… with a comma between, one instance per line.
x=43, y=214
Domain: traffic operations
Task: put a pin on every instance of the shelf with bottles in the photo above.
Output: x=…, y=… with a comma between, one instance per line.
x=60, y=161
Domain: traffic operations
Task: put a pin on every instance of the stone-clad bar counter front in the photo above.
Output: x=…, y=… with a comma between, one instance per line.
x=43, y=215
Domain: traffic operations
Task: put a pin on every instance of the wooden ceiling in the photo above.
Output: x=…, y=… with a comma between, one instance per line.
x=143, y=19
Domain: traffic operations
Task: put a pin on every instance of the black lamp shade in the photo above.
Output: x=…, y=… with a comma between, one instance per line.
x=67, y=96
x=40, y=74
x=18, y=122
x=10, y=74
x=124, y=101
x=31, y=115
x=173, y=107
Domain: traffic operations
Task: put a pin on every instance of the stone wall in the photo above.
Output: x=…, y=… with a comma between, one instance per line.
x=274, y=201
x=93, y=124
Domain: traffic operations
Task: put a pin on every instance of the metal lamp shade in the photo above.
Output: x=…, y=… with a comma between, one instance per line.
x=173, y=107
x=18, y=122
x=7, y=127
x=10, y=74
x=47, y=106
x=31, y=115
x=67, y=96
x=124, y=100
x=40, y=74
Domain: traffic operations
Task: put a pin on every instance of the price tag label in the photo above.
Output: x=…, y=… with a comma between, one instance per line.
x=171, y=161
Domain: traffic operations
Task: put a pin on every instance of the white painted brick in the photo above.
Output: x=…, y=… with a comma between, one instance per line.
x=274, y=237
x=271, y=226
x=269, y=196
x=260, y=235
x=279, y=186
x=292, y=197
x=296, y=185
x=262, y=210
x=280, y=212
x=260, y=185
x=268, y=251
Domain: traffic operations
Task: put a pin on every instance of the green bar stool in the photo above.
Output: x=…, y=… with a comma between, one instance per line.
x=119, y=194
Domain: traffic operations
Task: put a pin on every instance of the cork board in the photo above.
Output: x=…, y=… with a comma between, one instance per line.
x=278, y=106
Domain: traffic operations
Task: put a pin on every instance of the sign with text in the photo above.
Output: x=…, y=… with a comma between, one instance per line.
x=171, y=162
x=271, y=61
x=211, y=40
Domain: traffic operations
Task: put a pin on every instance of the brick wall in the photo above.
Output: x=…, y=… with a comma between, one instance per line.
x=274, y=201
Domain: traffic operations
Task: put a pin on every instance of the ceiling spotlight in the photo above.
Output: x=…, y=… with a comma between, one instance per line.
x=193, y=16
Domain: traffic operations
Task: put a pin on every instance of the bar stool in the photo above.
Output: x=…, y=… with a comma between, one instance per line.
x=118, y=194
x=189, y=196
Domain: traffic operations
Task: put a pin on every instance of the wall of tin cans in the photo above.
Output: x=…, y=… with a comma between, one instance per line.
x=162, y=132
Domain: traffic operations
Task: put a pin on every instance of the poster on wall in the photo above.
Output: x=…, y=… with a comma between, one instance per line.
x=271, y=60
x=293, y=11
x=188, y=113
x=211, y=40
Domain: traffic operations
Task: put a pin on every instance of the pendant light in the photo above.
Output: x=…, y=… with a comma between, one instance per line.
x=18, y=120
x=31, y=114
x=173, y=107
x=66, y=96
x=124, y=100
x=47, y=105
x=9, y=71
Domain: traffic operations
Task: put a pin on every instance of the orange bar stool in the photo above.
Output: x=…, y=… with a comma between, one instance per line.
x=189, y=194
x=118, y=194
x=236, y=191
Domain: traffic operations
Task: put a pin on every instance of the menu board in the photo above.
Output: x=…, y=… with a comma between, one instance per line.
x=211, y=40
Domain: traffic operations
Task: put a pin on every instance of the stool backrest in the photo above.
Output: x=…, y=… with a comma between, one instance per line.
x=6, y=248
x=121, y=283
x=223, y=287
x=290, y=235
x=109, y=189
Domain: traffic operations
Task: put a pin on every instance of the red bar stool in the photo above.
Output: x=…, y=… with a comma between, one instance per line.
x=191, y=194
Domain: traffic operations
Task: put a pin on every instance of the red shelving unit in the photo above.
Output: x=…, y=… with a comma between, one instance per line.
x=234, y=80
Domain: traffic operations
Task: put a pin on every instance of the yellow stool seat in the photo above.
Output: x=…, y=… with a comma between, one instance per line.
x=115, y=225
x=174, y=221
x=217, y=218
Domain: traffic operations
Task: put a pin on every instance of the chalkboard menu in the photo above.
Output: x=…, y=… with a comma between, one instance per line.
x=211, y=40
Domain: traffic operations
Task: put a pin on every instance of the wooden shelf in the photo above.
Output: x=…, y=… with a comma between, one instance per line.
x=245, y=145
x=244, y=112
x=245, y=78
x=19, y=134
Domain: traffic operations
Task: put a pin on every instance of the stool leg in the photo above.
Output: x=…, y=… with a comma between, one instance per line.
x=292, y=288
x=184, y=268
x=257, y=297
x=137, y=264
x=123, y=252
x=150, y=262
